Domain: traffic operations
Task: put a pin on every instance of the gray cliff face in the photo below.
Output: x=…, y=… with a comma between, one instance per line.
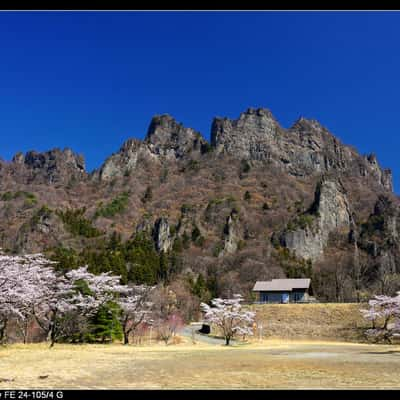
x=166, y=141
x=253, y=136
x=131, y=154
x=380, y=237
x=380, y=233
x=389, y=214
x=306, y=148
x=333, y=208
x=313, y=149
x=231, y=235
x=54, y=166
x=168, y=138
x=331, y=212
x=304, y=243
x=162, y=236
x=384, y=176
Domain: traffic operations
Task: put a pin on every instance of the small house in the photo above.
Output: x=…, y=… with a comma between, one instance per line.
x=283, y=291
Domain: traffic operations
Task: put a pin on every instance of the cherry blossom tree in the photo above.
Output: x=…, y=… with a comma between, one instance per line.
x=62, y=304
x=22, y=280
x=97, y=289
x=58, y=297
x=227, y=315
x=384, y=313
x=78, y=291
x=135, y=309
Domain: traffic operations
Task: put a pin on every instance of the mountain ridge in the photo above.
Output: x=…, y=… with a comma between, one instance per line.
x=257, y=201
x=165, y=136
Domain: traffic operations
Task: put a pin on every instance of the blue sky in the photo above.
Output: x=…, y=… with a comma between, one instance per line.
x=90, y=80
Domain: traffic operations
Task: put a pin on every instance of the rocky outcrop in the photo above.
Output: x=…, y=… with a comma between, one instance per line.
x=387, y=211
x=42, y=231
x=144, y=227
x=348, y=225
x=54, y=166
x=306, y=148
x=166, y=141
x=253, y=136
x=187, y=221
x=255, y=168
x=232, y=235
x=172, y=140
x=309, y=233
x=384, y=176
x=132, y=153
x=380, y=233
x=322, y=152
x=162, y=236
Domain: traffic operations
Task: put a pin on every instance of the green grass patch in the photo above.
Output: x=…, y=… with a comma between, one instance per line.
x=116, y=206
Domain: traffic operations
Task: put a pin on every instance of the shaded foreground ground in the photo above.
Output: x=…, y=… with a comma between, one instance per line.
x=269, y=364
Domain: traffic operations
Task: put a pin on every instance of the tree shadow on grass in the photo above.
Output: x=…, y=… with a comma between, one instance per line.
x=394, y=352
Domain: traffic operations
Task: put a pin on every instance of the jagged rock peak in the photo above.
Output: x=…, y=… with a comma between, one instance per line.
x=166, y=140
x=305, y=124
x=165, y=132
x=307, y=148
x=51, y=166
x=171, y=139
x=251, y=136
x=253, y=117
x=163, y=123
x=66, y=156
x=372, y=158
x=259, y=112
x=124, y=161
x=35, y=159
x=384, y=175
x=130, y=144
x=18, y=158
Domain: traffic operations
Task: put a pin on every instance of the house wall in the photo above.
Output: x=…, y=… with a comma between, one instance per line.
x=276, y=297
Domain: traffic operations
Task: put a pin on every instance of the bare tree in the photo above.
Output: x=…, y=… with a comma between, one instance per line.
x=386, y=277
x=169, y=327
x=166, y=316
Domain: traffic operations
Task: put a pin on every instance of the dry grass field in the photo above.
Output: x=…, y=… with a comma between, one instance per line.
x=327, y=321
x=266, y=364
x=303, y=346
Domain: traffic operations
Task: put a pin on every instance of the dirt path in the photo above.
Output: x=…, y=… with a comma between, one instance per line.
x=190, y=331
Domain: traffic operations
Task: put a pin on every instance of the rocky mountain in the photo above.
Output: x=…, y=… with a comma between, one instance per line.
x=257, y=202
x=166, y=141
x=306, y=148
x=50, y=167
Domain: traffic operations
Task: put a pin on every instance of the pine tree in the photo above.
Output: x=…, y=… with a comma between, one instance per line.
x=104, y=325
x=200, y=289
x=212, y=282
x=163, y=269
